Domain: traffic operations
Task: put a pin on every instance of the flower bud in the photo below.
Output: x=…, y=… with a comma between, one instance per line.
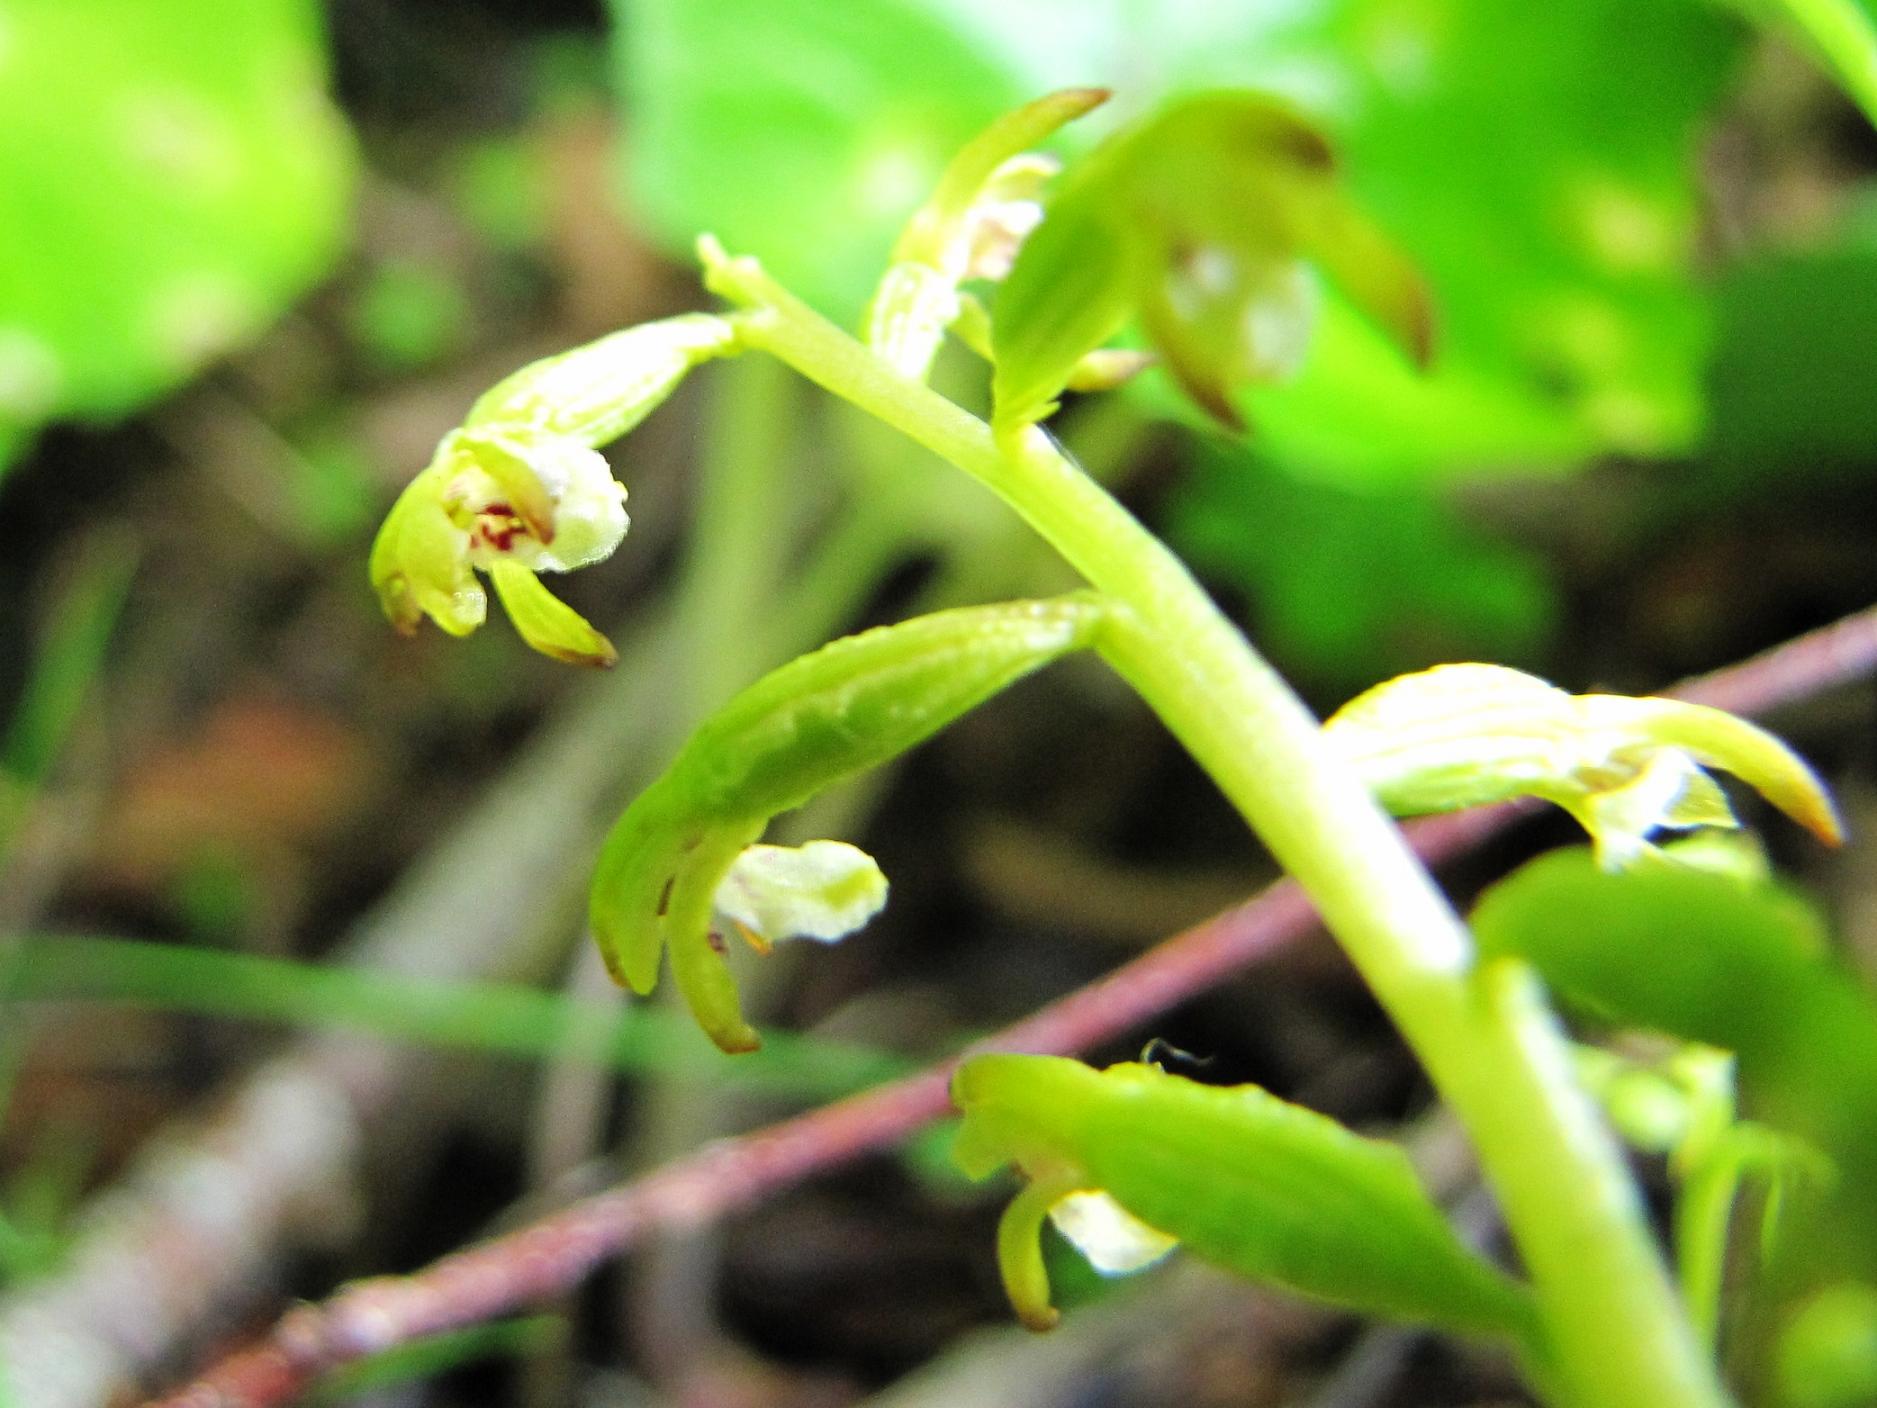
x=985, y=204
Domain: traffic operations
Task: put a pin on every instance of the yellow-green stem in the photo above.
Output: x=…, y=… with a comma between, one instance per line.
x=1618, y=1337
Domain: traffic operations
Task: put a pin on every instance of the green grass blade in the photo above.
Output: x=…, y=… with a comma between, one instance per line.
x=68, y=662
x=425, y=1358
x=501, y=1019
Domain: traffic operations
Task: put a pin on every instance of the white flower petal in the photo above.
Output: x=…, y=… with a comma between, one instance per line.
x=1114, y=1240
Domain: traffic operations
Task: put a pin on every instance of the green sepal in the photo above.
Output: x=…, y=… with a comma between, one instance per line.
x=1020, y=1253
x=1262, y=1187
x=933, y=235
x=418, y=567
x=1069, y=291
x=864, y=699
x=853, y=704
x=546, y=622
x=1717, y=739
x=632, y=885
x=697, y=943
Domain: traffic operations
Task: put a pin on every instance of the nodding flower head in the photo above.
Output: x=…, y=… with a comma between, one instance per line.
x=520, y=488
x=494, y=502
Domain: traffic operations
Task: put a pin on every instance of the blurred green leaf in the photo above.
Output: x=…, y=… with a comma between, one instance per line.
x=1724, y=959
x=333, y=497
x=515, y=1338
x=1537, y=163
x=41, y=1197
x=1790, y=389
x=806, y=132
x=501, y=186
x=1347, y=584
x=492, y=1017
x=1838, y=33
x=65, y=667
x=1828, y=1358
x=408, y=314
x=174, y=175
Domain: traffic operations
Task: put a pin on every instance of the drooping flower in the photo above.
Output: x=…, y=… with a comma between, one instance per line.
x=486, y=503
x=520, y=488
x=1467, y=735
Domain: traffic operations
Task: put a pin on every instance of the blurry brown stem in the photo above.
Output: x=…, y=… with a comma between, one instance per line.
x=555, y=1253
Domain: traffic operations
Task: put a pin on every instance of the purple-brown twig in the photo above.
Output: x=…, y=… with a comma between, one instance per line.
x=553, y=1254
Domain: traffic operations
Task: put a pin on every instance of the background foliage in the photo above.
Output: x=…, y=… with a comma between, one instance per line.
x=255, y=257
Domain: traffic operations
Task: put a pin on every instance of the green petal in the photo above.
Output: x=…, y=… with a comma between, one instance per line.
x=388, y=577
x=504, y=461
x=437, y=572
x=418, y=563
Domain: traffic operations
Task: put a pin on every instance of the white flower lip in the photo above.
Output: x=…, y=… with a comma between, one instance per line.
x=823, y=890
x=587, y=510
x=1115, y=1242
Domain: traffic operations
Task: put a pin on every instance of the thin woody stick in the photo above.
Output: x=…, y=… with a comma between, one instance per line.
x=554, y=1253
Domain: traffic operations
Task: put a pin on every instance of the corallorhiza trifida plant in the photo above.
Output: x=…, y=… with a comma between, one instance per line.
x=1215, y=226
